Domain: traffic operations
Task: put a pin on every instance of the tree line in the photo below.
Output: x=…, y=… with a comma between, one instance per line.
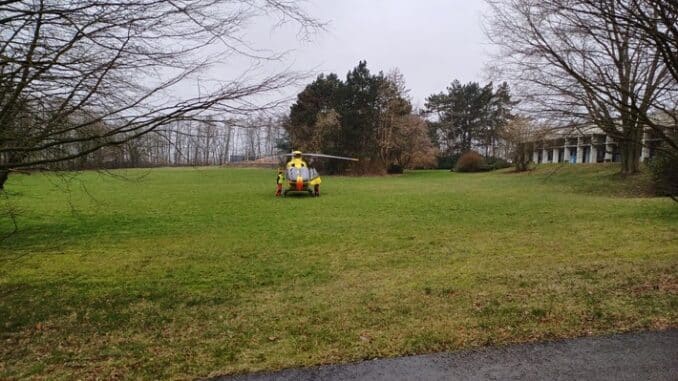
x=190, y=143
x=371, y=116
x=470, y=117
x=368, y=116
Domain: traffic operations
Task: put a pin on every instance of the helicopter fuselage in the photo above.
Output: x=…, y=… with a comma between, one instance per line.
x=300, y=177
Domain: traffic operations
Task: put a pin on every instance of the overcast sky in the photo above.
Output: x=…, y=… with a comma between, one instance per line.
x=432, y=42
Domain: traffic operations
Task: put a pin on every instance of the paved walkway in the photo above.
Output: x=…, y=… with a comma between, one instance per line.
x=633, y=356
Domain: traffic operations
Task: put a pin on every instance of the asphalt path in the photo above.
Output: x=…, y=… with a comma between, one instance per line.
x=630, y=356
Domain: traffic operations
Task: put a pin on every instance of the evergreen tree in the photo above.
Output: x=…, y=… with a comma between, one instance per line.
x=469, y=116
x=361, y=117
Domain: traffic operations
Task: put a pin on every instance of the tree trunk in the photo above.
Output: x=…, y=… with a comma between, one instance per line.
x=630, y=149
x=630, y=158
x=4, y=175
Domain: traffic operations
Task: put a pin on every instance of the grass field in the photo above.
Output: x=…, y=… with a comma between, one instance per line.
x=183, y=273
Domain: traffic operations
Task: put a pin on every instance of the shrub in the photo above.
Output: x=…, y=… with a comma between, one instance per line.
x=664, y=170
x=497, y=163
x=448, y=161
x=471, y=161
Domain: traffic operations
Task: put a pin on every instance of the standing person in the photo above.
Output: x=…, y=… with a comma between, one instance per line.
x=279, y=180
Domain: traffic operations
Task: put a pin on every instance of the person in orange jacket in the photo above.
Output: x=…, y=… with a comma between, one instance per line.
x=279, y=181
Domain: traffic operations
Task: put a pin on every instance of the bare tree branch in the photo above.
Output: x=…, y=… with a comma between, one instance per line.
x=78, y=76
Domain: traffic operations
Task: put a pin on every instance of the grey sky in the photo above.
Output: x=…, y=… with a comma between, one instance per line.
x=432, y=42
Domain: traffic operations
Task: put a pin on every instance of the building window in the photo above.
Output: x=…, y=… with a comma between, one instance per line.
x=616, y=154
x=573, y=155
x=652, y=149
x=600, y=154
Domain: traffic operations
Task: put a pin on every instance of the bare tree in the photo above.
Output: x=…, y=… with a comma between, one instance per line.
x=583, y=61
x=519, y=134
x=410, y=144
x=402, y=137
x=328, y=125
x=657, y=23
x=228, y=134
x=76, y=76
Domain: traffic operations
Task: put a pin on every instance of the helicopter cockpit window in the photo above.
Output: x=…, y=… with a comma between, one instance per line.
x=303, y=171
x=292, y=173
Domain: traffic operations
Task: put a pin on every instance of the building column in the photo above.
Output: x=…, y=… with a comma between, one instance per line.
x=566, y=152
x=555, y=155
x=594, y=152
x=535, y=156
x=580, y=150
x=608, y=148
x=544, y=155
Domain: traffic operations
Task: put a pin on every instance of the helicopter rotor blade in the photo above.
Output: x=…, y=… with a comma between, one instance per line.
x=329, y=156
x=277, y=156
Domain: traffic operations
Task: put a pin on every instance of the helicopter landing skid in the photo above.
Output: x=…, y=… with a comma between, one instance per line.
x=310, y=192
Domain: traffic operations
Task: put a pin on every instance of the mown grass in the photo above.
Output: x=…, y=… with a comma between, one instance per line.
x=187, y=273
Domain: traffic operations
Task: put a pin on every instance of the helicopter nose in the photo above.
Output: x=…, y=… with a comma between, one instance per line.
x=300, y=183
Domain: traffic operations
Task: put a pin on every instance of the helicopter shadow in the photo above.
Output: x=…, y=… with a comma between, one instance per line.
x=292, y=195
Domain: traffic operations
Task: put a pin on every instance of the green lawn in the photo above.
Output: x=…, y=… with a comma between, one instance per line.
x=183, y=273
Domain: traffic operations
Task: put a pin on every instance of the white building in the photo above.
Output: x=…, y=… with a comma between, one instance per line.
x=584, y=145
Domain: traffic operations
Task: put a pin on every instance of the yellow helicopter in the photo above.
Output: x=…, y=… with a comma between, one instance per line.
x=300, y=177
